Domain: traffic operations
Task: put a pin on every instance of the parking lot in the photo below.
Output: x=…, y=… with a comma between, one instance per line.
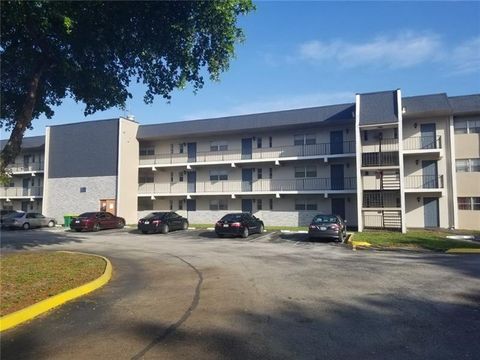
x=190, y=295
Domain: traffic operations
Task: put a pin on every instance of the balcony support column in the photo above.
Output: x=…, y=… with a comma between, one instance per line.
x=401, y=162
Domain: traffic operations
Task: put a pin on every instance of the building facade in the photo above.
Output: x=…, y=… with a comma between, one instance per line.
x=381, y=162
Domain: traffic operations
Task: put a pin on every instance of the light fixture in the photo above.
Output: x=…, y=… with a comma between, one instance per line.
x=416, y=162
x=404, y=109
x=418, y=199
x=415, y=125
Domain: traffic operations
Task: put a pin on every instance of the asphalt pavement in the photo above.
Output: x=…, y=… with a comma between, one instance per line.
x=190, y=295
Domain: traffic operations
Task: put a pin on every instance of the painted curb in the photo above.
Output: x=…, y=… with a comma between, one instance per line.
x=32, y=311
x=463, y=251
x=360, y=243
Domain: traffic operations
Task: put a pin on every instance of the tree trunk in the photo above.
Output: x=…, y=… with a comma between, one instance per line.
x=22, y=120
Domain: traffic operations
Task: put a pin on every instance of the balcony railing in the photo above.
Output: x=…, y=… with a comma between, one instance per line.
x=372, y=159
x=345, y=147
x=21, y=192
x=262, y=185
x=424, y=182
x=22, y=167
x=382, y=219
x=381, y=199
x=383, y=145
x=422, y=143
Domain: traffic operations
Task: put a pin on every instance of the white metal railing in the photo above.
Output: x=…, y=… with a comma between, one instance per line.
x=23, y=167
x=262, y=185
x=422, y=143
x=21, y=192
x=424, y=182
x=345, y=147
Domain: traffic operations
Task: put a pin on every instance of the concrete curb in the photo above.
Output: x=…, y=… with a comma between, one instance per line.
x=463, y=251
x=32, y=311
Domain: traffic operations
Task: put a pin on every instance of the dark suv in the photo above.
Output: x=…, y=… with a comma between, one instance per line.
x=238, y=224
x=328, y=227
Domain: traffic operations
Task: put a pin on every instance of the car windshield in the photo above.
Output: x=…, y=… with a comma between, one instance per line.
x=155, y=215
x=232, y=217
x=87, y=214
x=322, y=219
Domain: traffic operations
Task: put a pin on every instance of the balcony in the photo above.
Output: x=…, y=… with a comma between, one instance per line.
x=263, y=154
x=307, y=185
x=25, y=168
x=380, y=159
x=423, y=183
x=381, y=199
x=422, y=143
x=19, y=192
x=381, y=145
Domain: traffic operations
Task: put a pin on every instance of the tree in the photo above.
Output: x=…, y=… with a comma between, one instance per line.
x=92, y=50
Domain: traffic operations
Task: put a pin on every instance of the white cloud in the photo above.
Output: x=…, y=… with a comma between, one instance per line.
x=400, y=51
x=278, y=103
x=466, y=56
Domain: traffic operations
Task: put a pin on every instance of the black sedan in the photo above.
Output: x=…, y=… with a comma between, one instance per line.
x=238, y=224
x=327, y=227
x=162, y=222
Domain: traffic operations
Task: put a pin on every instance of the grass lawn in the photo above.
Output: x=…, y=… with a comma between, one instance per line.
x=431, y=240
x=27, y=278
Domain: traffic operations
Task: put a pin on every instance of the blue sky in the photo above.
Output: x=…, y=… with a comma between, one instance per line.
x=300, y=54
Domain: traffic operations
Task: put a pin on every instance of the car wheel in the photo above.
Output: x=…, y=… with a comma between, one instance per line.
x=26, y=226
x=78, y=230
x=121, y=224
x=51, y=224
x=262, y=228
x=185, y=225
x=96, y=227
x=245, y=233
x=144, y=232
x=165, y=229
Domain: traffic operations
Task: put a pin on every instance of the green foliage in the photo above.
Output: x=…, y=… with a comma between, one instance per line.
x=92, y=50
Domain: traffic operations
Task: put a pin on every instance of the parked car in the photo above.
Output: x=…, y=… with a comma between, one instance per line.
x=162, y=222
x=23, y=220
x=238, y=224
x=95, y=221
x=6, y=213
x=328, y=227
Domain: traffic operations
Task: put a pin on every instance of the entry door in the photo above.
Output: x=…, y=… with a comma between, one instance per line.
x=108, y=205
x=430, y=212
x=26, y=186
x=25, y=206
x=336, y=176
x=191, y=181
x=428, y=136
x=336, y=142
x=338, y=207
x=430, y=174
x=191, y=205
x=246, y=179
x=247, y=205
x=247, y=148
x=192, y=152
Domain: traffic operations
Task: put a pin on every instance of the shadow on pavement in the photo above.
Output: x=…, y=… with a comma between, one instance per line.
x=21, y=239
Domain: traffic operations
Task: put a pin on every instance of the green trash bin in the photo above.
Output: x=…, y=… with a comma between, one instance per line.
x=67, y=219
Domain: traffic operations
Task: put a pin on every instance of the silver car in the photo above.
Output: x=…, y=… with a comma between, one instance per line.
x=23, y=220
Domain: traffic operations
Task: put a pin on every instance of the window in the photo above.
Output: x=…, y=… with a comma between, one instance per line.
x=217, y=175
x=305, y=172
x=171, y=204
x=180, y=176
x=180, y=205
x=259, y=174
x=83, y=189
x=271, y=204
x=144, y=151
x=181, y=148
x=145, y=204
x=145, y=179
x=469, y=203
x=365, y=135
x=259, y=142
x=33, y=181
x=171, y=177
x=218, y=146
x=305, y=205
x=304, y=139
x=259, y=204
x=270, y=141
x=467, y=125
x=270, y=173
x=467, y=165
x=220, y=204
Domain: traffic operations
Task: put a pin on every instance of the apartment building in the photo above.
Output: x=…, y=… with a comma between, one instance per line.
x=382, y=161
